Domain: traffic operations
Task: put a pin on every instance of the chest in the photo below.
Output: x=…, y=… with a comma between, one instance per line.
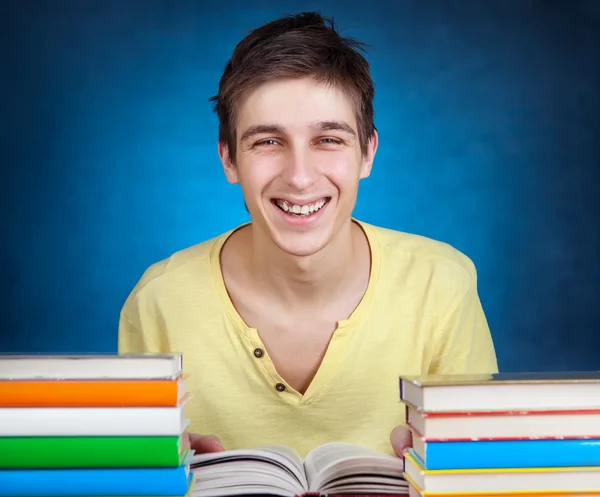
x=296, y=340
x=310, y=353
x=295, y=344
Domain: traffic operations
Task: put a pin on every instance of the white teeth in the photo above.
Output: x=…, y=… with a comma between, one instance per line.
x=301, y=210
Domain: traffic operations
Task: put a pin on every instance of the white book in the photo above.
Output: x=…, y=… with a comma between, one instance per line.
x=58, y=367
x=503, y=424
x=92, y=421
x=569, y=390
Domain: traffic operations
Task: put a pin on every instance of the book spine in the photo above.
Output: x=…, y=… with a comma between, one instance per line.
x=89, y=393
x=83, y=421
x=124, y=366
x=89, y=452
x=486, y=454
x=94, y=482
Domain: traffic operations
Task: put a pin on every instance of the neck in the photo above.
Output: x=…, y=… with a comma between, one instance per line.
x=300, y=282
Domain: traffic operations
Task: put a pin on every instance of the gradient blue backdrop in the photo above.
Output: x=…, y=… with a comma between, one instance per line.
x=488, y=118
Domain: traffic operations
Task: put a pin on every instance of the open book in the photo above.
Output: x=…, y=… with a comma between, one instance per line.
x=332, y=468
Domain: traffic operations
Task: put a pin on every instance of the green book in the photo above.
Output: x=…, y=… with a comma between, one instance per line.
x=90, y=452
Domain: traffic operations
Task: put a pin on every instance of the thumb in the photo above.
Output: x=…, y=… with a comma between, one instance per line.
x=401, y=440
x=204, y=444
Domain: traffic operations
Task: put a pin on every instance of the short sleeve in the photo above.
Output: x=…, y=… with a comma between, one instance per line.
x=464, y=342
x=131, y=339
x=141, y=326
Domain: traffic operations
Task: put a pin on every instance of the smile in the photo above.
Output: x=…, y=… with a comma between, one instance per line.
x=301, y=210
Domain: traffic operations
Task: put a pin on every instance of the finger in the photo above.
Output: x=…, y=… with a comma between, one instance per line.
x=401, y=440
x=203, y=444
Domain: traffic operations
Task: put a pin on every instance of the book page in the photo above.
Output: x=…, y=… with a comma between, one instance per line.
x=335, y=467
x=243, y=477
x=276, y=467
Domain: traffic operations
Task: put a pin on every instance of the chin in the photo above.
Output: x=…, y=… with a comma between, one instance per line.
x=300, y=244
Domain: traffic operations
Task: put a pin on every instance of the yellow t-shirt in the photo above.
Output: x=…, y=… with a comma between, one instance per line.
x=421, y=314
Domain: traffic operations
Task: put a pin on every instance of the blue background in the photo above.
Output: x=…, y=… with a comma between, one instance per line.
x=488, y=114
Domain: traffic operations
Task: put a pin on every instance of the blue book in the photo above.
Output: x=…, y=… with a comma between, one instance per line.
x=530, y=453
x=60, y=482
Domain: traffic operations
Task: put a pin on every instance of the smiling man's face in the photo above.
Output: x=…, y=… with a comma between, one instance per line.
x=299, y=162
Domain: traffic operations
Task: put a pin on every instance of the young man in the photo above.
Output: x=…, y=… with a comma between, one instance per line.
x=296, y=326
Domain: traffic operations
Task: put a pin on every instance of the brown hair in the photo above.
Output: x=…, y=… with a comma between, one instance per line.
x=295, y=46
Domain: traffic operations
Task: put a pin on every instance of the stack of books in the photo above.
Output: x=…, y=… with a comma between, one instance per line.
x=93, y=425
x=505, y=434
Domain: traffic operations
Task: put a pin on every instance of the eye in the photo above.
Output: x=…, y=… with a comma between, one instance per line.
x=330, y=141
x=268, y=143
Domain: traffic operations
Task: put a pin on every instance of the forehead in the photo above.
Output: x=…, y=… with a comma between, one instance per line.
x=294, y=104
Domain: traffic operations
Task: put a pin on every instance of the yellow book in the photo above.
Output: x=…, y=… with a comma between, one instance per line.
x=414, y=491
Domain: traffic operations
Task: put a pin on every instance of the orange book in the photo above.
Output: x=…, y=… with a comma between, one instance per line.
x=92, y=393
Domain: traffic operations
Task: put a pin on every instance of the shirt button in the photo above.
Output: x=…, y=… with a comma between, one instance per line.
x=280, y=387
x=258, y=352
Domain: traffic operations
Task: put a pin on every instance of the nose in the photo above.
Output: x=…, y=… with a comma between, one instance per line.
x=299, y=170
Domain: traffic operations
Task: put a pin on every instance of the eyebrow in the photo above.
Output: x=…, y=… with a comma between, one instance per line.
x=333, y=126
x=259, y=129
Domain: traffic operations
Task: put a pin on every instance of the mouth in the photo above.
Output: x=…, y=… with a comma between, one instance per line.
x=301, y=210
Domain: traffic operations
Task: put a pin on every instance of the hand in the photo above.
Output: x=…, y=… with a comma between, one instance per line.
x=204, y=444
x=401, y=439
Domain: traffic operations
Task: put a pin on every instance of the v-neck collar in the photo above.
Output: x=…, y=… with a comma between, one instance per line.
x=328, y=366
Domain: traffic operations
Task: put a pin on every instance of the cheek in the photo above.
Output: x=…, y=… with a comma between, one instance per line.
x=342, y=170
x=257, y=174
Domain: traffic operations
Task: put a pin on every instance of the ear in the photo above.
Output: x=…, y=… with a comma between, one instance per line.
x=369, y=156
x=228, y=163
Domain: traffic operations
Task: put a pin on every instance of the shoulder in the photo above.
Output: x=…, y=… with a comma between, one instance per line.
x=174, y=276
x=179, y=263
x=401, y=253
